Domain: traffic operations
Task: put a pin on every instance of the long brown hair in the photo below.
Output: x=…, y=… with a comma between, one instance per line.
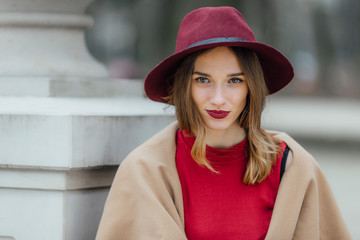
x=263, y=148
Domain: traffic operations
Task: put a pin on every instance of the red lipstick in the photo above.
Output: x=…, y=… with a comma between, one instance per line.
x=218, y=114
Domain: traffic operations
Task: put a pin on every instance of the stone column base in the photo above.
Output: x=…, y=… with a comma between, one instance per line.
x=59, y=157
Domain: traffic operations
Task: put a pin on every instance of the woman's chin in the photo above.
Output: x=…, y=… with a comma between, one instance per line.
x=218, y=126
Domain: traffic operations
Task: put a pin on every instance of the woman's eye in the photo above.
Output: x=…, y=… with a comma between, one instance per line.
x=202, y=80
x=236, y=80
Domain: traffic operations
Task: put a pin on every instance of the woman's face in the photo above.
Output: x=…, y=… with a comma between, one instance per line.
x=219, y=88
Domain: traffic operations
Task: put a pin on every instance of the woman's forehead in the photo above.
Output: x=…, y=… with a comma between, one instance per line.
x=217, y=59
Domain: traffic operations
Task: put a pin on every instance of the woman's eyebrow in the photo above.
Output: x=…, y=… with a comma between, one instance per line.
x=229, y=75
x=235, y=74
x=201, y=73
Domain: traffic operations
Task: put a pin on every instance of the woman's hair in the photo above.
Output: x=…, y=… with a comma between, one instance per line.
x=262, y=147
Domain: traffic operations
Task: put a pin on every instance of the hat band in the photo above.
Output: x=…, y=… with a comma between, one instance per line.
x=217, y=40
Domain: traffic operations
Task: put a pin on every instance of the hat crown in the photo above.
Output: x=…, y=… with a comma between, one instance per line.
x=211, y=23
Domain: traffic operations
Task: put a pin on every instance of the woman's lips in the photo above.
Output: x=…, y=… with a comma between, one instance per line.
x=218, y=114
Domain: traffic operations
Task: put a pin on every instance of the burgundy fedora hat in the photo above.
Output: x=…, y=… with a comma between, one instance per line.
x=210, y=27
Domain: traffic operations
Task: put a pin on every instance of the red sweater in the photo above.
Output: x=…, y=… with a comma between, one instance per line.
x=221, y=206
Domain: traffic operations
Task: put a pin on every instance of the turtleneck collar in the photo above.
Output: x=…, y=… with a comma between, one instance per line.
x=217, y=156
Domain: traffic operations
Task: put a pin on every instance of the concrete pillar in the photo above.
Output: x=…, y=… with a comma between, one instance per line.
x=64, y=126
x=42, y=42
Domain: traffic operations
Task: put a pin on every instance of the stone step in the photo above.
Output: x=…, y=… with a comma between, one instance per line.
x=57, y=180
x=69, y=87
x=63, y=133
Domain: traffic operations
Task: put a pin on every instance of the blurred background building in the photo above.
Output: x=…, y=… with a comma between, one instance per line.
x=320, y=37
x=67, y=121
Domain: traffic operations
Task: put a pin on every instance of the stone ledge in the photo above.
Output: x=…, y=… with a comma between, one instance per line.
x=63, y=133
x=58, y=180
x=70, y=87
x=119, y=106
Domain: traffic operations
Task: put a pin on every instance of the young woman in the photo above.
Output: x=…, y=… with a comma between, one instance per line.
x=215, y=174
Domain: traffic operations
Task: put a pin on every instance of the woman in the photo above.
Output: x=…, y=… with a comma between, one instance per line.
x=215, y=174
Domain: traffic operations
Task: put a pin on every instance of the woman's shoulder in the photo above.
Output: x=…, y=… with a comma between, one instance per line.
x=151, y=164
x=303, y=166
x=299, y=157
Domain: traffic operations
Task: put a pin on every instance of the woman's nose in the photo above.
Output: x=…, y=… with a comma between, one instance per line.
x=218, y=96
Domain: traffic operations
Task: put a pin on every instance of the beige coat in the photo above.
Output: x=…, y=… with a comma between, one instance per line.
x=145, y=200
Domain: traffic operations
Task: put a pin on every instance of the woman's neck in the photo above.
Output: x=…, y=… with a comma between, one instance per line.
x=225, y=138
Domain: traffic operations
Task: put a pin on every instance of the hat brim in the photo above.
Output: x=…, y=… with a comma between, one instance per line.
x=278, y=71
